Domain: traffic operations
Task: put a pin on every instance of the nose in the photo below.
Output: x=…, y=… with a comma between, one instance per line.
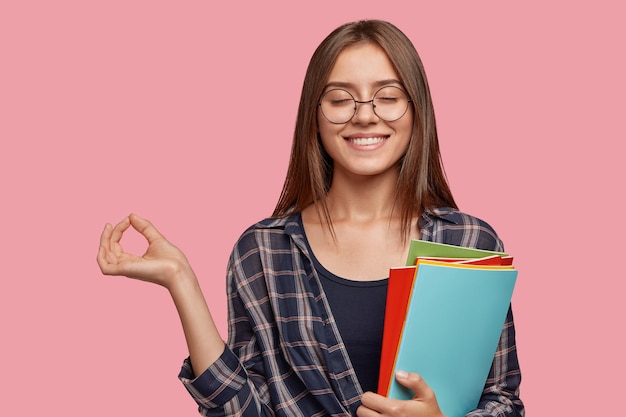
x=364, y=115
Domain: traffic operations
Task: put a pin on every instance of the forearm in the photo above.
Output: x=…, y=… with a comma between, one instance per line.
x=204, y=342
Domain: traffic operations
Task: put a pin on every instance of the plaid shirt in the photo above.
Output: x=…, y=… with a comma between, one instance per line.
x=284, y=355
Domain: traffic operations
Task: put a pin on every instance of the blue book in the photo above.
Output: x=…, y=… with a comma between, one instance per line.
x=451, y=330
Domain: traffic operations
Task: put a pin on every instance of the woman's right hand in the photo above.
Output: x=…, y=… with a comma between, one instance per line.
x=162, y=262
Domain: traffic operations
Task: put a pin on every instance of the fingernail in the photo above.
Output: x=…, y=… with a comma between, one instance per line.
x=402, y=375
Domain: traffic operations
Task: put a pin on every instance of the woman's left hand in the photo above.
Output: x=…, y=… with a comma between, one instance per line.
x=423, y=404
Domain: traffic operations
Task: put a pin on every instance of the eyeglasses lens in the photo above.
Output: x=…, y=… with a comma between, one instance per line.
x=339, y=106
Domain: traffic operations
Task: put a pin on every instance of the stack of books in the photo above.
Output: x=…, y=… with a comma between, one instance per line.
x=443, y=320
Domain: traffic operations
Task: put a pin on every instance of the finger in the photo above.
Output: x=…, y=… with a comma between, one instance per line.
x=109, y=249
x=103, y=263
x=144, y=227
x=100, y=257
x=119, y=229
x=364, y=411
x=105, y=237
x=373, y=402
x=416, y=383
x=107, y=261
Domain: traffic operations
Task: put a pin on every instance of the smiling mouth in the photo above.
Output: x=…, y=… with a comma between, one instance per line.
x=367, y=141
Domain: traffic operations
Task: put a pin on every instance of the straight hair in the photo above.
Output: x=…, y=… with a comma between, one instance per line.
x=422, y=183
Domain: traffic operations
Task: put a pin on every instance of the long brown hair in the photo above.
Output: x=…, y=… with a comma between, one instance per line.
x=422, y=183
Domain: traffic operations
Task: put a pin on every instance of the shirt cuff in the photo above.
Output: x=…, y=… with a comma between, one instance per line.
x=221, y=381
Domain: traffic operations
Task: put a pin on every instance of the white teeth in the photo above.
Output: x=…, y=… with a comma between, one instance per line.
x=366, y=141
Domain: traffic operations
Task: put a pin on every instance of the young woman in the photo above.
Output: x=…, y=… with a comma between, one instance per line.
x=306, y=287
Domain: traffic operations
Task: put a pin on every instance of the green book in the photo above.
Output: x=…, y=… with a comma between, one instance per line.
x=441, y=250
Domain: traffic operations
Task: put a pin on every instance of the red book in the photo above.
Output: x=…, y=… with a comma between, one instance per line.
x=398, y=293
x=488, y=260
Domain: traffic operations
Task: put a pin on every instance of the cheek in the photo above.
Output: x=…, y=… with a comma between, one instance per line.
x=326, y=143
x=408, y=126
x=327, y=132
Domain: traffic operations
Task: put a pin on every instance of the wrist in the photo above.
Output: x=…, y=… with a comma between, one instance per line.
x=182, y=279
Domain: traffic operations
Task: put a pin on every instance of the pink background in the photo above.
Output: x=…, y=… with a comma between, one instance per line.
x=183, y=112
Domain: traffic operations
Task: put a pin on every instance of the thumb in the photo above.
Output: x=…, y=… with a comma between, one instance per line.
x=415, y=383
x=144, y=227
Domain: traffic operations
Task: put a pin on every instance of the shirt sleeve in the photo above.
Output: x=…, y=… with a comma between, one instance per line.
x=235, y=384
x=500, y=396
x=223, y=389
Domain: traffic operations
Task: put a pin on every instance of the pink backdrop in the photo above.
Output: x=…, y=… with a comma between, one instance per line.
x=183, y=112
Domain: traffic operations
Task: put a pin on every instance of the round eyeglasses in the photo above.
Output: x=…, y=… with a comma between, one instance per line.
x=389, y=103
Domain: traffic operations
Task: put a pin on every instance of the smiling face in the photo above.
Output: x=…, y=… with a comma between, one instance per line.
x=365, y=145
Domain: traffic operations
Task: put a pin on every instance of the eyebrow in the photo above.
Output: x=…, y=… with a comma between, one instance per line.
x=380, y=83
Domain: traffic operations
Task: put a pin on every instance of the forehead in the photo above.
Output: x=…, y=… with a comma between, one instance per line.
x=362, y=65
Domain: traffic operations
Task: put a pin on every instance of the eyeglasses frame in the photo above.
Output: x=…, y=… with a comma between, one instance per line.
x=357, y=102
